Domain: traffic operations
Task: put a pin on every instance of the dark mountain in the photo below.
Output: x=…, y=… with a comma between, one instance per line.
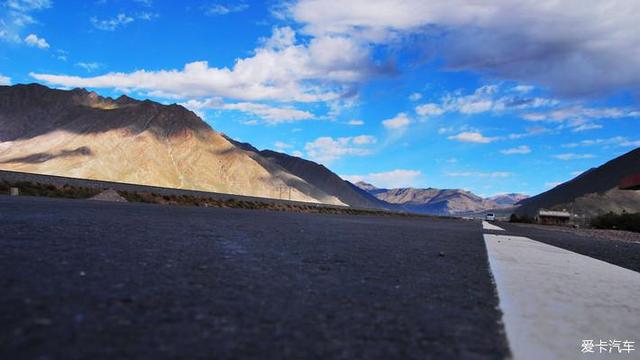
x=318, y=176
x=592, y=192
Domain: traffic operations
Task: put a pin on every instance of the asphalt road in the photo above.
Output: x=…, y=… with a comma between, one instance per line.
x=82, y=279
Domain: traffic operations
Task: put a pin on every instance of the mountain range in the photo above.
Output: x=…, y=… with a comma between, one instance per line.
x=77, y=133
x=439, y=201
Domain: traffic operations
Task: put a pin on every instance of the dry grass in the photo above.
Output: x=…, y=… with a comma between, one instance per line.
x=76, y=192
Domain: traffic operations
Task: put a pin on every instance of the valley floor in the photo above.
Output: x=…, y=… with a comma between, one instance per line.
x=88, y=279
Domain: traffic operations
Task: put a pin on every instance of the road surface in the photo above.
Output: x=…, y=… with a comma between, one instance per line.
x=87, y=279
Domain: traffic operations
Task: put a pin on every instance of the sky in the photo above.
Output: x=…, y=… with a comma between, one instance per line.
x=493, y=97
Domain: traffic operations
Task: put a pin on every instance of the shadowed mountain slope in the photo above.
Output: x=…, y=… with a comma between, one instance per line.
x=81, y=134
x=325, y=180
x=317, y=175
x=592, y=192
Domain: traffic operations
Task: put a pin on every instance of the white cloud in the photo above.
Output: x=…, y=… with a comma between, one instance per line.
x=480, y=101
x=572, y=156
x=220, y=9
x=364, y=140
x=586, y=126
x=34, y=40
x=552, y=184
x=568, y=43
x=355, y=122
x=89, y=66
x=617, y=140
x=327, y=149
x=579, y=118
x=270, y=114
x=398, y=122
x=415, y=96
x=473, y=137
x=27, y=5
x=487, y=98
x=495, y=174
x=321, y=69
x=5, y=80
x=113, y=23
x=429, y=109
x=530, y=131
x=146, y=3
x=397, y=178
x=15, y=15
x=613, y=141
x=524, y=89
x=147, y=16
x=281, y=145
x=578, y=112
x=518, y=150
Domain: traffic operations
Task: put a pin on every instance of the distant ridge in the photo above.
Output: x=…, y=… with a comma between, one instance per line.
x=439, y=201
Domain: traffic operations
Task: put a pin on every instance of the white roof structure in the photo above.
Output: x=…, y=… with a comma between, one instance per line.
x=562, y=214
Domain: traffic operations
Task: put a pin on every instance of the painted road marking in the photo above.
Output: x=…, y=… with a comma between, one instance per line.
x=552, y=299
x=487, y=226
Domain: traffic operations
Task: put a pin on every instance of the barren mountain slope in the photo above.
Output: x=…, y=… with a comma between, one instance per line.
x=325, y=180
x=80, y=134
x=592, y=192
x=430, y=200
x=507, y=199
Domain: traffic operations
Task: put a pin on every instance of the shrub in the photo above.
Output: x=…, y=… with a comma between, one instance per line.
x=520, y=219
x=625, y=221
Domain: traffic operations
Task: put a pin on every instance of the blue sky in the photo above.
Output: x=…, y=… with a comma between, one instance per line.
x=493, y=98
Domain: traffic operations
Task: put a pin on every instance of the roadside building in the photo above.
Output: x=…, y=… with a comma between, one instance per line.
x=548, y=217
x=630, y=182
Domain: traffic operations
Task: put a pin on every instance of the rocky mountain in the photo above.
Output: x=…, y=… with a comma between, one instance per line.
x=317, y=175
x=80, y=134
x=325, y=180
x=507, y=199
x=593, y=192
x=437, y=201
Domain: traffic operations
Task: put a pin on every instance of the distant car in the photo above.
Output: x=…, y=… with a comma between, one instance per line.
x=490, y=217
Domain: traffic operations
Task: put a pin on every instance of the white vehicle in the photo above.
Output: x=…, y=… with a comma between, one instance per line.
x=490, y=217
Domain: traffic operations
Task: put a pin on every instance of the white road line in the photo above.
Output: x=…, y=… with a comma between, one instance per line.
x=488, y=226
x=552, y=299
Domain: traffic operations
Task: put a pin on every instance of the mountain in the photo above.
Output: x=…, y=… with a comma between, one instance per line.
x=318, y=176
x=367, y=187
x=507, y=199
x=593, y=192
x=437, y=201
x=78, y=133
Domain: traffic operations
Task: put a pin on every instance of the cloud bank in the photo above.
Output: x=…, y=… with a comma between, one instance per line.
x=573, y=47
